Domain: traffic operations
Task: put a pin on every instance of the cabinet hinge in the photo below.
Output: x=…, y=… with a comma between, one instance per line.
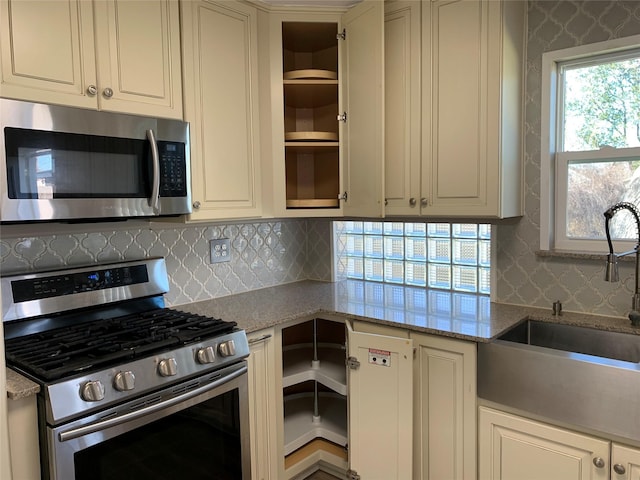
x=343, y=196
x=342, y=117
x=353, y=363
x=342, y=35
x=415, y=352
x=352, y=475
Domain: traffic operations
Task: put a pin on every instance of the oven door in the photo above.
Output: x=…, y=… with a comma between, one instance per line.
x=196, y=429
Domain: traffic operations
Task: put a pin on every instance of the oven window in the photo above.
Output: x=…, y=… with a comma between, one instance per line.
x=201, y=442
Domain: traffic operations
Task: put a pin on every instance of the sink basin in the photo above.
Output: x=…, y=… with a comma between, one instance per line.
x=570, y=338
x=580, y=377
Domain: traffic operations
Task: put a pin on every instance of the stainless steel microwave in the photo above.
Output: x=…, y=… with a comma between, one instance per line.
x=64, y=163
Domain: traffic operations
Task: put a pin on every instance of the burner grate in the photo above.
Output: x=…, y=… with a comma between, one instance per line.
x=69, y=350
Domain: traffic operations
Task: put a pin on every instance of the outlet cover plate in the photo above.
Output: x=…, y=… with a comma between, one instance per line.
x=220, y=250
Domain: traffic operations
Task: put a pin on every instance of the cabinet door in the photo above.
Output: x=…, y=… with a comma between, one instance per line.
x=472, y=63
x=47, y=51
x=444, y=409
x=221, y=102
x=402, y=108
x=22, y=423
x=139, y=57
x=262, y=405
x=363, y=100
x=380, y=405
x=512, y=447
x=625, y=462
x=455, y=86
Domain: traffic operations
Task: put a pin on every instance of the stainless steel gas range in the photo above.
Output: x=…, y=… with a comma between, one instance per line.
x=129, y=389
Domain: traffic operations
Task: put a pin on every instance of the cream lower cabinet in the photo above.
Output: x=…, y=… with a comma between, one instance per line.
x=625, y=462
x=115, y=55
x=24, y=449
x=353, y=419
x=262, y=405
x=220, y=55
x=380, y=402
x=512, y=447
x=444, y=409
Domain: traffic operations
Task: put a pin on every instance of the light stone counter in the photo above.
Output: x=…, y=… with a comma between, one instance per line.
x=20, y=387
x=464, y=316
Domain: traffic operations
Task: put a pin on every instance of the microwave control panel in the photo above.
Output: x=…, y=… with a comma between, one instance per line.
x=173, y=169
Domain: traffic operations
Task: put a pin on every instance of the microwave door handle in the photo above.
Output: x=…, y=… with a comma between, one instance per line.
x=155, y=185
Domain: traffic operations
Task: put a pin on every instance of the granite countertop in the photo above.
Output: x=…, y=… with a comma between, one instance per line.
x=459, y=315
x=20, y=387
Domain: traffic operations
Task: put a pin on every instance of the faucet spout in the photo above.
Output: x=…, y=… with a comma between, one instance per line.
x=611, y=271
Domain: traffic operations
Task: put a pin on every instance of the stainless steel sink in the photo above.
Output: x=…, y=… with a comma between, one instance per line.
x=578, y=376
x=570, y=338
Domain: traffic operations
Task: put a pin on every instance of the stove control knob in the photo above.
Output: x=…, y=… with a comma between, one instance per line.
x=206, y=355
x=92, y=391
x=124, y=381
x=227, y=349
x=167, y=367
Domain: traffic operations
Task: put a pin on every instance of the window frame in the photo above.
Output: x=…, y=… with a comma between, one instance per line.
x=554, y=164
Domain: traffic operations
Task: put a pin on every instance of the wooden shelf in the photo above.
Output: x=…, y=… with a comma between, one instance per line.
x=301, y=146
x=311, y=136
x=313, y=203
x=314, y=447
x=310, y=74
x=330, y=370
x=299, y=425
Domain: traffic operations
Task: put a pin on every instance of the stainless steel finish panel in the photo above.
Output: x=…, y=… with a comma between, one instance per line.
x=61, y=458
x=37, y=116
x=64, y=401
x=571, y=338
x=158, y=284
x=587, y=391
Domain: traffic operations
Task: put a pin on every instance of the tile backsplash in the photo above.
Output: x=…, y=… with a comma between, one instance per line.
x=522, y=276
x=263, y=254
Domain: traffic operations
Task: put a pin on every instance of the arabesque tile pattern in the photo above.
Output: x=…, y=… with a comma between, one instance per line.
x=522, y=276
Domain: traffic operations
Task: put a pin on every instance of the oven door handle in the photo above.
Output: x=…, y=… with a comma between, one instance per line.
x=127, y=417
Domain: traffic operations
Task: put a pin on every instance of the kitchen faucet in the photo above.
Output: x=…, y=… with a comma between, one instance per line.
x=611, y=272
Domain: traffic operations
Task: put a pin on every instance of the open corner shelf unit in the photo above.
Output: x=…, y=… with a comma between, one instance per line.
x=314, y=380
x=311, y=136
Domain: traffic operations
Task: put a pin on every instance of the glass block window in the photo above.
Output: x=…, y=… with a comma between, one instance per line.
x=449, y=256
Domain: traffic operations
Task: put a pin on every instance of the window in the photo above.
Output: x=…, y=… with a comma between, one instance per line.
x=590, y=144
x=454, y=257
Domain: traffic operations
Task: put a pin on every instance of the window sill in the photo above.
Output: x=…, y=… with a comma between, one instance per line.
x=601, y=257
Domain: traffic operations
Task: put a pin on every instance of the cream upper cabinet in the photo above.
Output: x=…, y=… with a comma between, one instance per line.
x=114, y=55
x=472, y=97
x=220, y=55
x=515, y=448
x=444, y=409
x=262, y=405
x=326, y=94
x=402, y=107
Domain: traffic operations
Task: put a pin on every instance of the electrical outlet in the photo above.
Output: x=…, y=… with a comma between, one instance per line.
x=220, y=250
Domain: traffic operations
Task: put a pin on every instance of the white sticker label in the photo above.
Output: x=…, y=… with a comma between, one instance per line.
x=380, y=357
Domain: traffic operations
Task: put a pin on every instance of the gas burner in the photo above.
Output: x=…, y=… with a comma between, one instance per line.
x=65, y=351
